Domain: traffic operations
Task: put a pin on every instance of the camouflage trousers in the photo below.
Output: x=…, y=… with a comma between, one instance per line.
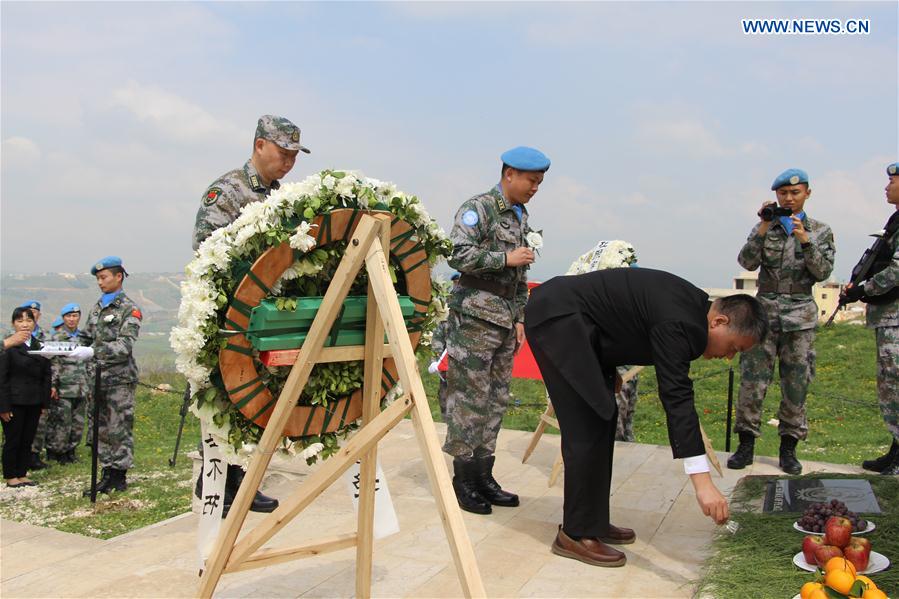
x=888, y=377
x=37, y=445
x=795, y=352
x=65, y=423
x=627, y=405
x=477, y=377
x=115, y=438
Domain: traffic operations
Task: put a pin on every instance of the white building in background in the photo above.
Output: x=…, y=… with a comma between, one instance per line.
x=827, y=295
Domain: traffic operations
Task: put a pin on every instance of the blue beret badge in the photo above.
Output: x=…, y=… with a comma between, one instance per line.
x=470, y=218
x=893, y=169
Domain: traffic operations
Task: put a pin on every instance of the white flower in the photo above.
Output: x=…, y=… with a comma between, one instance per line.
x=345, y=185
x=313, y=450
x=328, y=182
x=301, y=240
x=534, y=240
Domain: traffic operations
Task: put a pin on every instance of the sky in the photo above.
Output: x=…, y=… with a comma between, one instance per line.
x=665, y=123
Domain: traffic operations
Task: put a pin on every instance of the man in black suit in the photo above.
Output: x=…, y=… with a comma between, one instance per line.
x=580, y=328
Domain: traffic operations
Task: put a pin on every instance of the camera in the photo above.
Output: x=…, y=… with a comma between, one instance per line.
x=772, y=211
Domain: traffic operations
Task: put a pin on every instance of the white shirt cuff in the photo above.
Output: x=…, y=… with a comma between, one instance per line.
x=696, y=464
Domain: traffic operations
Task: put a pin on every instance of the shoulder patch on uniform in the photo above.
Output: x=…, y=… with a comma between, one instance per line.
x=136, y=313
x=470, y=218
x=254, y=182
x=212, y=196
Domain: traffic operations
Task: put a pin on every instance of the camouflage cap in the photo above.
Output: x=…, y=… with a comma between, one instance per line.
x=280, y=131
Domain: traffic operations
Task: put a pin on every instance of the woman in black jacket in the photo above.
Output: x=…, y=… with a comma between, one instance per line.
x=24, y=393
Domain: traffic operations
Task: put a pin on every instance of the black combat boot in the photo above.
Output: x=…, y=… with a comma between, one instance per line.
x=102, y=484
x=117, y=480
x=743, y=456
x=71, y=456
x=883, y=461
x=261, y=503
x=489, y=488
x=788, y=461
x=35, y=463
x=465, y=484
x=892, y=469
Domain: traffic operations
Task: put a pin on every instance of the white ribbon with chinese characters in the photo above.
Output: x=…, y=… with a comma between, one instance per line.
x=212, y=494
x=386, y=522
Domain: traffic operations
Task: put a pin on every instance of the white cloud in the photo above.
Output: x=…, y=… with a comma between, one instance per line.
x=20, y=153
x=176, y=117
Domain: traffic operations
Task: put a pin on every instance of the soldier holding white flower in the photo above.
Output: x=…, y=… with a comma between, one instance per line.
x=493, y=249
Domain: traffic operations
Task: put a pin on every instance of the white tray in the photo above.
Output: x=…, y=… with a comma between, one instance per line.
x=877, y=562
x=870, y=527
x=51, y=352
x=55, y=348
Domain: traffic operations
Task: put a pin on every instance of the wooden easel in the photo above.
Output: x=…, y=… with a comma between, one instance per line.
x=548, y=418
x=367, y=248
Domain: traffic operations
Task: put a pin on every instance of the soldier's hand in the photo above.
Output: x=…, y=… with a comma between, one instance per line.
x=852, y=293
x=6, y=416
x=799, y=231
x=519, y=257
x=764, y=225
x=519, y=337
x=17, y=338
x=54, y=394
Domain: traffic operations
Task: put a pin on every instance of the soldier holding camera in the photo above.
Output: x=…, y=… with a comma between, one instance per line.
x=794, y=252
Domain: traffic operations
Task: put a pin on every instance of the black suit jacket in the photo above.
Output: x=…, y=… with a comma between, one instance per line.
x=590, y=323
x=24, y=378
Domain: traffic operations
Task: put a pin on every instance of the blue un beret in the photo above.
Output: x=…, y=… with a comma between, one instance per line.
x=791, y=176
x=57, y=322
x=893, y=169
x=69, y=308
x=107, y=262
x=526, y=159
x=34, y=304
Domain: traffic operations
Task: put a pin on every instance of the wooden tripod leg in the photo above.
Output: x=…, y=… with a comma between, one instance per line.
x=557, y=469
x=356, y=251
x=371, y=407
x=538, y=432
x=404, y=357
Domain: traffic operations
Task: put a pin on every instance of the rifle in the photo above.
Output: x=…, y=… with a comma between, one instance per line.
x=184, y=409
x=862, y=270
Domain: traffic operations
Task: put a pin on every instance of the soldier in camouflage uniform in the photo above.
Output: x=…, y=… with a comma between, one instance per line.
x=37, y=446
x=626, y=399
x=71, y=387
x=794, y=253
x=113, y=325
x=491, y=240
x=438, y=346
x=275, y=149
x=881, y=292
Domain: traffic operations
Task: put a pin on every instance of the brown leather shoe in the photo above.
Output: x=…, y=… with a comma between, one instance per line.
x=588, y=550
x=619, y=536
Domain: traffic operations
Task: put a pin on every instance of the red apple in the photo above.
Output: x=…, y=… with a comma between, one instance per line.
x=861, y=541
x=809, y=544
x=858, y=555
x=825, y=552
x=837, y=531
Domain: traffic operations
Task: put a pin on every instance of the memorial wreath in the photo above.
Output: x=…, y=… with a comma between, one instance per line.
x=308, y=222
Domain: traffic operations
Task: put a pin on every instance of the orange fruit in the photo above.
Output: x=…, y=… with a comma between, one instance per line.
x=874, y=594
x=867, y=581
x=839, y=563
x=807, y=589
x=839, y=580
x=818, y=594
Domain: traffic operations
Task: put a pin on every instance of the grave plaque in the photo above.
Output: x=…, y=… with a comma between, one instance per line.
x=795, y=495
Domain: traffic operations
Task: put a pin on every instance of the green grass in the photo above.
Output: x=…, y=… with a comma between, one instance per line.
x=757, y=560
x=845, y=427
x=155, y=490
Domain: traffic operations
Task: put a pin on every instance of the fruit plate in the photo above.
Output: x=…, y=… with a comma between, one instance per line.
x=869, y=528
x=877, y=562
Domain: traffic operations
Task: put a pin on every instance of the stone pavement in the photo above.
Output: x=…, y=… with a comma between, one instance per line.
x=650, y=494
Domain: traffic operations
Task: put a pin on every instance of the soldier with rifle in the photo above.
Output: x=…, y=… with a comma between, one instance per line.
x=875, y=281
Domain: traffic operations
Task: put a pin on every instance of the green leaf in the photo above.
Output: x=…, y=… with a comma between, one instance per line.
x=309, y=213
x=832, y=593
x=858, y=588
x=338, y=174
